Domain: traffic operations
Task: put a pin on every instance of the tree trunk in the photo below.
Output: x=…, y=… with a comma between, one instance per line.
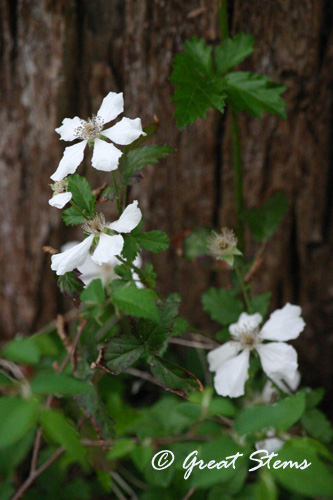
x=60, y=59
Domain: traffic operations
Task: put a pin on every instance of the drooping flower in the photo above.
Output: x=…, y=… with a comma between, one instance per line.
x=278, y=359
x=224, y=246
x=105, y=156
x=60, y=194
x=107, y=245
x=105, y=272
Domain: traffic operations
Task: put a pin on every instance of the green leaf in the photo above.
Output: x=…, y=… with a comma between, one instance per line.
x=148, y=275
x=139, y=158
x=222, y=305
x=266, y=487
x=254, y=94
x=313, y=398
x=197, y=88
x=59, y=430
x=154, y=241
x=22, y=350
x=263, y=221
x=17, y=416
x=94, y=293
x=195, y=245
x=70, y=285
x=233, y=51
x=181, y=326
x=121, y=352
x=57, y=383
x=82, y=193
x=260, y=303
x=95, y=410
x=279, y=416
x=131, y=247
x=11, y=456
x=71, y=216
x=317, y=425
x=174, y=378
x=135, y=301
x=314, y=481
x=121, y=448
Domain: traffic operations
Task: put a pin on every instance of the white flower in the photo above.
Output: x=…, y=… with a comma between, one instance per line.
x=106, y=155
x=271, y=443
x=108, y=245
x=278, y=359
x=60, y=194
x=105, y=272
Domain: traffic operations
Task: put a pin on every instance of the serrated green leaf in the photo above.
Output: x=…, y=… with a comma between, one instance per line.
x=263, y=221
x=17, y=416
x=254, y=94
x=197, y=88
x=148, y=276
x=121, y=352
x=279, y=416
x=233, y=51
x=174, y=378
x=135, y=301
x=59, y=430
x=137, y=159
x=71, y=216
x=260, y=303
x=317, y=425
x=154, y=241
x=131, y=247
x=95, y=410
x=70, y=285
x=94, y=293
x=57, y=383
x=313, y=481
x=22, y=350
x=82, y=193
x=222, y=305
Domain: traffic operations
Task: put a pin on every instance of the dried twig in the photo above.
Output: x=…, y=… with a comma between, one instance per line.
x=189, y=494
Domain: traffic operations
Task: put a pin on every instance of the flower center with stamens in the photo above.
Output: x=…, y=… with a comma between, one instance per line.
x=95, y=225
x=60, y=186
x=89, y=129
x=248, y=337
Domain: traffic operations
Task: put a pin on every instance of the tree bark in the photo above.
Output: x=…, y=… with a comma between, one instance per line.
x=60, y=58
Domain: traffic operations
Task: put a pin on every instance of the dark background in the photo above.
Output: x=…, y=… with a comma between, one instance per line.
x=60, y=58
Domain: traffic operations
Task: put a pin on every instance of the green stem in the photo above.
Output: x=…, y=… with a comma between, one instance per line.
x=117, y=193
x=223, y=18
x=243, y=287
x=238, y=178
x=78, y=209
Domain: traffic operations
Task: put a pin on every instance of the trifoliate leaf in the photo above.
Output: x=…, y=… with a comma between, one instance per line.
x=233, y=51
x=197, y=88
x=154, y=241
x=71, y=216
x=254, y=94
x=139, y=158
x=280, y=416
x=82, y=193
x=174, y=378
x=263, y=221
x=135, y=301
x=222, y=305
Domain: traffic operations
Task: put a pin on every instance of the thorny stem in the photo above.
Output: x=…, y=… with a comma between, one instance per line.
x=117, y=193
x=34, y=472
x=243, y=287
x=236, y=142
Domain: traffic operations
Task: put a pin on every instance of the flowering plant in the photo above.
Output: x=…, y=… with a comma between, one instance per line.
x=92, y=397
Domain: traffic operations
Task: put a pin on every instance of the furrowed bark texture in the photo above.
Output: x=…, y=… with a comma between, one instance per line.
x=60, y=58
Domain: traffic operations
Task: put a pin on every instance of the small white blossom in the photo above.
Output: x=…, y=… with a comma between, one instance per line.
x=108, y=245
x=105, y=272
x=278, y=359
x=60, y=194
x=223, y=246
x=105, y=156
x=271, y=444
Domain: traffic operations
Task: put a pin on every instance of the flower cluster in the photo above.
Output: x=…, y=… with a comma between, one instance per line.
x=103, y=238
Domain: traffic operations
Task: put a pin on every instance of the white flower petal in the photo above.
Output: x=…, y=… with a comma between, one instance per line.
x=128, y=220
x=278, y=360
x=112, y=105
x=67, y=129
x=108, y=246
x=245, y=321
x=105, y=156
x=288, y=384
x=271, y=444
x=284, y=324
x=218, y=356
x=231, y=376
x=125, y=132
x=72, y=258
x=72, y=157
x=60, y=200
